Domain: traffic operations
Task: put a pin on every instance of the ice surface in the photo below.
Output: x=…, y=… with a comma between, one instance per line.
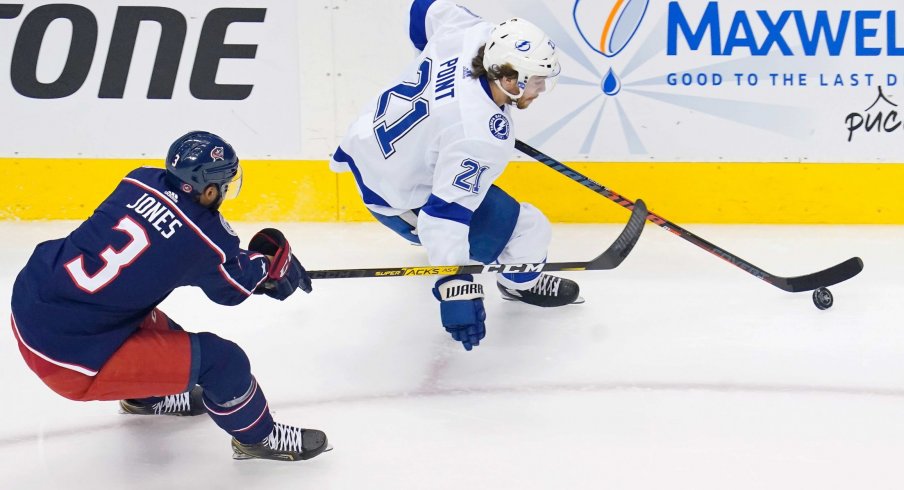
x=680, y=371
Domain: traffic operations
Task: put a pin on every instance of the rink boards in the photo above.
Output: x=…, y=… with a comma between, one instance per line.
x=683, y=192
x=717, y=112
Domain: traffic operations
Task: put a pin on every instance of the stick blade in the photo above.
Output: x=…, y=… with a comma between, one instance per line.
x=824, y=278
x=622, y=246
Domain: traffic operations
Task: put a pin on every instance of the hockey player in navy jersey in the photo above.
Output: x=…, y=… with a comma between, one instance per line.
x=84, y=307
x=426, y=152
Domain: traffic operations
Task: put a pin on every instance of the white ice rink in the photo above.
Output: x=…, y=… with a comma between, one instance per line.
x=679, y=372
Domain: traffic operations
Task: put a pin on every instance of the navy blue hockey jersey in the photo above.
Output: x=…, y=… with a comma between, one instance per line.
x=78, y=298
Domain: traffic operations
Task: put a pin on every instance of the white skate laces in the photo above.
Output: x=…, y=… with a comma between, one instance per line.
x=173, y=404
x=548, y=291
x=285, y=438
x=547, y=285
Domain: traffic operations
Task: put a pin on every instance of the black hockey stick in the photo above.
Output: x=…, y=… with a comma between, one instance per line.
x=610, y=259
x=808, y=282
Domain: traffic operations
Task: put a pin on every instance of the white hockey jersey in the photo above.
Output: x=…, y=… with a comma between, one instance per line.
x=435, y=140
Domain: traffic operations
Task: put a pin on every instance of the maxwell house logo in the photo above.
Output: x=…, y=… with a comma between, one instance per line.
x=619, y=23
x=655, y=50
x=607, y=27
x=723, y=32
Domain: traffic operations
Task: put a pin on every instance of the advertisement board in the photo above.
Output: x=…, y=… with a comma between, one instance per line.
x=121, y=79
x=764, y=113
x=726, y=80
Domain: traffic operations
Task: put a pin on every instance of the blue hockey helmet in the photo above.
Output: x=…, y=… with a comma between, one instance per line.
x=199, y=159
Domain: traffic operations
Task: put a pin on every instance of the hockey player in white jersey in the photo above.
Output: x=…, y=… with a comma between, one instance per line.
x=426, y=152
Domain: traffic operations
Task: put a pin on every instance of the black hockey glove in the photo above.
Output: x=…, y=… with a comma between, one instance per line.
x=285, y=273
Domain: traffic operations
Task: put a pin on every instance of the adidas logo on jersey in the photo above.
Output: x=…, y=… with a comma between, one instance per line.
x=172, y=195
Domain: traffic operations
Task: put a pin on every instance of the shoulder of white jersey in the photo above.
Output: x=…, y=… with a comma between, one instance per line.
x=484, y=150
x=428, y=17
x=481, y=118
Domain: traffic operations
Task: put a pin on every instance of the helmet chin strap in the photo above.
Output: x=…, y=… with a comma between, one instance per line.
x=511, y=96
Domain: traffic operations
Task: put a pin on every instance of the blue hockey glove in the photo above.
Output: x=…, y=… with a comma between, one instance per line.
x=461, y=308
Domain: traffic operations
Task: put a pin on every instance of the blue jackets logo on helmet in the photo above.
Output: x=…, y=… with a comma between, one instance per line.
x=217, y=153
x=199, y=159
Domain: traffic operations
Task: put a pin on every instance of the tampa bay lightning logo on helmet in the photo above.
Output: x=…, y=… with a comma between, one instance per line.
x=522, y=45
x=499, y=126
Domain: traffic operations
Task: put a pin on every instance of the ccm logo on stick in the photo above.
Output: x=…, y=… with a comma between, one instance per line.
x=83, y=41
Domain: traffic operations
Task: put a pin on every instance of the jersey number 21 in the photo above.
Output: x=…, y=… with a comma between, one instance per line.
x=388, y=134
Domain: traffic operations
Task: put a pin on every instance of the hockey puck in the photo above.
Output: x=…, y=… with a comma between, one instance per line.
x=822, y=298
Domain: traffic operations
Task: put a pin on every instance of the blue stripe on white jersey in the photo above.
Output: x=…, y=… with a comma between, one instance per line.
x=417, y=27
x=451, y=211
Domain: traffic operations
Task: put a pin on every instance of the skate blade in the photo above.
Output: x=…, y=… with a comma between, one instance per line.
x=241, y=456
x=579, y=300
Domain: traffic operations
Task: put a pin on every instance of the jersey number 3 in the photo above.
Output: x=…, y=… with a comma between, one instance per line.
x=388, y=134
x=114, y=260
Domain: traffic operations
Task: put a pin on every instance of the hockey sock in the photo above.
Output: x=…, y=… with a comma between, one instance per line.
x=232, y=396
x=246, y=418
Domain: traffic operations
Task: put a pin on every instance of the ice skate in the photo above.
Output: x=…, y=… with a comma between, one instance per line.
x=182, y=404
x=285, y=443
x=550, y=291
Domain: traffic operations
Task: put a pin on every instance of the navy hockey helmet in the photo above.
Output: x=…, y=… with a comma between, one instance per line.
x=199, y=159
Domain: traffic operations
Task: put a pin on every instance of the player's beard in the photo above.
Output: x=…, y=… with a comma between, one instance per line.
x=215, y=207
x=523, y=103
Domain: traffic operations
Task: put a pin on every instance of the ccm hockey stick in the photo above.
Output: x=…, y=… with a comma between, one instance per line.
x=610, y=259
x=808, y=282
